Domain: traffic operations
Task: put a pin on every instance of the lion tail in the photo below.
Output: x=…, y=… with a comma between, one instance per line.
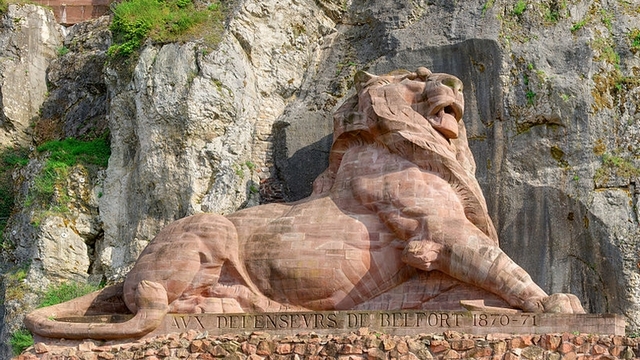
x=61, y=320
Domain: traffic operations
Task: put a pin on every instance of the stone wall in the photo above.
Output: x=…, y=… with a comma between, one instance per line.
x=353, y=346
x=75, y=11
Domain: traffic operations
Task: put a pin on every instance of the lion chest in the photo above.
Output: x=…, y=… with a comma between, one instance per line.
x=406, y=198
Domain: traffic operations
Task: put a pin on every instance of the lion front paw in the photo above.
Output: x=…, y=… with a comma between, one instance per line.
x=562, y=304
x=151, y=295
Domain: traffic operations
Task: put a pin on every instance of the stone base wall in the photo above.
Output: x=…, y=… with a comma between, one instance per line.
x=353, y=346
x=69, y=12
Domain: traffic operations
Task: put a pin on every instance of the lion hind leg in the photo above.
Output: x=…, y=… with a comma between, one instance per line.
x=152, y=303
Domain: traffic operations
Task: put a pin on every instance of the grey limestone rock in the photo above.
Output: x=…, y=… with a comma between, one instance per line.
x=552, y=94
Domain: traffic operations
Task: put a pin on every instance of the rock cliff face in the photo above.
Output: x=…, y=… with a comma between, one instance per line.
x=29, y=38
x=552, y=110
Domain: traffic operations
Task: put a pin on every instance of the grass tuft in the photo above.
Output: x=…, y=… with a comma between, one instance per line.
x=162, y=21
x=20, y=340
x=63, y=155
x=57, y=294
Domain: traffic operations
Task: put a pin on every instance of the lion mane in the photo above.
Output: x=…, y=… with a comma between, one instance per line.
x=379, y=114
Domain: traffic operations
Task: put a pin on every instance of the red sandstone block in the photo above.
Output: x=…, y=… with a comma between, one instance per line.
x=264, y=348
x=313, y=349
x=527, y=340
x=482, y=352
x=106, y=356
x=299, y=349
x=408, y=356
x=402, y=347
x=451, y=354
x=164, y=351
x=40, y=348
x=616, y=350
x=205, y=356
x=499, y=347
x=618, y=340
x=182, y=353
x=566, y=347
x=550, y=342
x=351, y=357
x=515, y=343
x=461, y=345
x=376, y=354
x=569, y=356
x=86, y=346
x=598, y=349
x=349, y=349
x=196, y=346
x=584, y=348
x=218, y=350
x=438, y=346
x=511, y=356
x=388, y=344
x=283, y=349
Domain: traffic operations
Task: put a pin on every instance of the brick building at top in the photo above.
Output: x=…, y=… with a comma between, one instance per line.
x=69, y=12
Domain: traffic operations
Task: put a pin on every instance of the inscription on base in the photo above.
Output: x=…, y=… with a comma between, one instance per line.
x=401, y=322
x=421, y=321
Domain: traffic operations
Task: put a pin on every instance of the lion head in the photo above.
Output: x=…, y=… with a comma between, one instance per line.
x=418, y=116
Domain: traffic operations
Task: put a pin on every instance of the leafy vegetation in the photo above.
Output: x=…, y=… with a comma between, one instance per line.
x=60, y=293
x=64, y=154
x=617, y=166
x=20, y=340
x=55, y=294
x=554, y=11
x=134, y=21
x=607, y=17
x=487, y=5
x=14, y=282
x=531, y=97
x=634, y=37
x=519, y=7
x=63, y=50
x=579, y=25
x=10, y=159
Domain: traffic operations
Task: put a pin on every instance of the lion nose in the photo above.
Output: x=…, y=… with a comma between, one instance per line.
x=453, y=82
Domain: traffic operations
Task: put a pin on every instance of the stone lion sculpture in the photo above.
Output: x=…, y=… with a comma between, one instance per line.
x=398, y=204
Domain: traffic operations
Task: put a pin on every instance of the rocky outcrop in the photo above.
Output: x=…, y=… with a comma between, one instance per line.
x=194, y=127
x=76, y=105
x=29, y=40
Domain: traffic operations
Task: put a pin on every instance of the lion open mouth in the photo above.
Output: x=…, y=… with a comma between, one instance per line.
x=444, y=118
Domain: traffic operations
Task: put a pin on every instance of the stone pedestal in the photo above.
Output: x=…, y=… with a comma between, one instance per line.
x=393, y=322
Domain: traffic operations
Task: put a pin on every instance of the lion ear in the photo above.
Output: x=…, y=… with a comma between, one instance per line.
x=362, y=77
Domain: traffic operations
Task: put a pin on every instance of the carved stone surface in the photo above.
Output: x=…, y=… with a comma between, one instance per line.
x=397, y=221
x=398, y=322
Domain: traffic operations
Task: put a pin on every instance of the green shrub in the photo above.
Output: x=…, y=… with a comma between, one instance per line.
x=162, y=21
x=531, y=97
x=71, y=151
x=634, y=36
x=579, y=25
x=20, y=340
x=63, y=50
x=64, y=154
x=519, y=7
x=10, y=159
x=60, y=293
